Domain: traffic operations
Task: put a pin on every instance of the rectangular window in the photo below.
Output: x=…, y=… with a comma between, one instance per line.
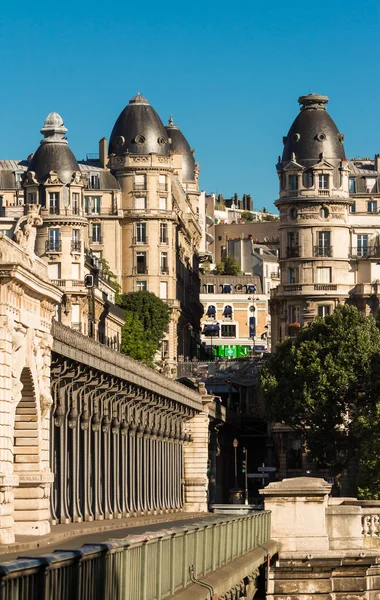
x=18, y=178
x=92, y=205
x=54, y=203
x=324, y=310
x=54, y=242
x=75, y=240
x=141, y=262
x=54, y=270
x=228, y=330
x=372, y=206
x=140, y=203
x=32, y=198
x=163, y=233
x=162, y=182
x=323, y=274
x=353, y=207
x=75, y=316
x=75, y=271
x=294, y=314
x=164, y=266
x=165, y=348
x=292, y=275
x=140, y=182
x=352, y=185
x=141, y=233
x=370, y=183
x=162, y=203
x=362, y=245
x=323, y=182
x=75, y=203
x=141, y=286
x=324, y=244
x=210, y=288
x=293, y=182
x=96, y=233
x=163, y=290
x=293, y=248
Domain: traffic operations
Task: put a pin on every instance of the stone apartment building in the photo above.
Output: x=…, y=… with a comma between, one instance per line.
x=329, y=223
x=135, y=208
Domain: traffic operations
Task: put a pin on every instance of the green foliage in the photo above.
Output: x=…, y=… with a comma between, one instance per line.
x=147, y=318
x=228, y=266
x=321, y=383
x=106, y=270
x=248, y=216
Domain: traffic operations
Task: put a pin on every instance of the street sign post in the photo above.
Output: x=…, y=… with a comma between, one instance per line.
x=257, y=475
x=267, y=469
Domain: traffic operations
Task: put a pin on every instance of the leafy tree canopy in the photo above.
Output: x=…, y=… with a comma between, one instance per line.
x=323, y=385
x=248, y=216
x=147, y=318
x=228, y=266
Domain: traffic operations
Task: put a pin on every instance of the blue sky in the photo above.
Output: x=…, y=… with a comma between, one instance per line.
x=230, y=73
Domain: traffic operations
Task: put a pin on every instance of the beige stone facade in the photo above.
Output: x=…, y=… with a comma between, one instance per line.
x=329, y=224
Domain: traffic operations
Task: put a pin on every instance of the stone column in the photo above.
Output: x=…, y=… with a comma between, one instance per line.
x=195, y=461
x=298, y=509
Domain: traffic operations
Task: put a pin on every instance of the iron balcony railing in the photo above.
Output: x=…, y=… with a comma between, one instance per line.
x=76, y=246
x=140, y=270
x=54, y=210
x=140, y=239
x=53, y=246
x=323, y=250
x=292, y=251
x=164, y=240
x=164, y=270
x=366, y=252
x=151, y=567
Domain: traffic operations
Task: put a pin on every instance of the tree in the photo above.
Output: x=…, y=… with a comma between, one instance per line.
x=228, y=266
x=318, y=384
x=248, y=216
x=151, y=315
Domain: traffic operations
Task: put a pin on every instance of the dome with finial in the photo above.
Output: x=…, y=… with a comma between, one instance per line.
x=54, y=153
x=313, y=134
x=138, y=130
x=180, y=145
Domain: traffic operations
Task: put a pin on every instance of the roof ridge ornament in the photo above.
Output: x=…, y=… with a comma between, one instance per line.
x=53, y=129
x=313, y=102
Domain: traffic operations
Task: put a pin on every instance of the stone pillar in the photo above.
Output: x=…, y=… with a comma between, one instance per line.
x=195, y=461
x=298, y=509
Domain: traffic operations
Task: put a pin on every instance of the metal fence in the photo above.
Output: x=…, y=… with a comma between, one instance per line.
x=152, y=566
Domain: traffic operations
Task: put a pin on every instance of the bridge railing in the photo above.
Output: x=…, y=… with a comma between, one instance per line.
x=148, y=567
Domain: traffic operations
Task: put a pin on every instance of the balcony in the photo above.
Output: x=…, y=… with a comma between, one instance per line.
x=76, y=246
x=325, y=287
x=325, y=193
x=163, y=187
x=164, y=270
x=140, y=187
x=293, y=251
x=360, y=252
x=53, y=210
x=140, y=239
x=164, y=240
x=53, y=246
x=97, y=240
x=140, y=270
x=323, y=251
x=293, y=287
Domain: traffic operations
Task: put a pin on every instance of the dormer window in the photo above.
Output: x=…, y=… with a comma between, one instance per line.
x=293, y=182
x=323, y=182
x=226, y=288
x=352, y=185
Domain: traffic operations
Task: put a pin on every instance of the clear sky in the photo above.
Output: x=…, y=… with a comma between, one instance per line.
x=229, y=72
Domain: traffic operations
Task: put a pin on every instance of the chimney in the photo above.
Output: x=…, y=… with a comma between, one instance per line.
x=103, y=152
x=377, y=162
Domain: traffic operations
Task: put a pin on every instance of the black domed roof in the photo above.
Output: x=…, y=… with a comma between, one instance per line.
x=313, y=133
x=54, y=153
x=139, y=130
x=180, y=145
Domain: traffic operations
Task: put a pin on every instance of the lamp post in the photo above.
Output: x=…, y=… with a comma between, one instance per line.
x=235, y=444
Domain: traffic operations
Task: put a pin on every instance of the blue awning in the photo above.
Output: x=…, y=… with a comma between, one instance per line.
x=228, y=310
x=211, y=310
x=211, y=329
x=227, y=288
x=251, y=289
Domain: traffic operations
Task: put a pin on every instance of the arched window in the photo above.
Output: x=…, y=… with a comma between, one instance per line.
x=227, y=312
x=211, y=311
